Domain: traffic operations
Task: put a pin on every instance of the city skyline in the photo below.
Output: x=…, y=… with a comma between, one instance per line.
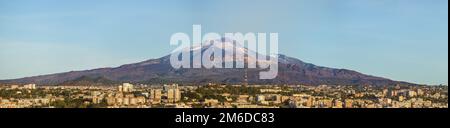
x=400, y=40
x=222, y=96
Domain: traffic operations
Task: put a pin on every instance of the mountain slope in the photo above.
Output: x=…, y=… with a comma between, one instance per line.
x=155, y=71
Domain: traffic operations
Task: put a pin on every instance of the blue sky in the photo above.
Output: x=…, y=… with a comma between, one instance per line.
x=398, y=39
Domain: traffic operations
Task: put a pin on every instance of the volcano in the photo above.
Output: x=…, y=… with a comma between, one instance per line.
x=159, y=71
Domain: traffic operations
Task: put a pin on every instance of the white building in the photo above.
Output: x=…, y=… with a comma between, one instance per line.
x=173, y=93
x=126, y=87
x=29, y=86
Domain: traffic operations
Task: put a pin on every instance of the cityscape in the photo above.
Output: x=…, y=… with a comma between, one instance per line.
x=223, y=96
x=224, y=54
x=224, y=63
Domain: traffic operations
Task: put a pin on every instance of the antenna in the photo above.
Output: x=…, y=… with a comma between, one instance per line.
x=246, y=70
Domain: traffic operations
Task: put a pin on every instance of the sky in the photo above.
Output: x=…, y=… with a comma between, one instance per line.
x=405, y=40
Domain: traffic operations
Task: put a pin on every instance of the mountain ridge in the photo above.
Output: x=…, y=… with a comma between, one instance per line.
x=153, y=70
x=159, y=71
